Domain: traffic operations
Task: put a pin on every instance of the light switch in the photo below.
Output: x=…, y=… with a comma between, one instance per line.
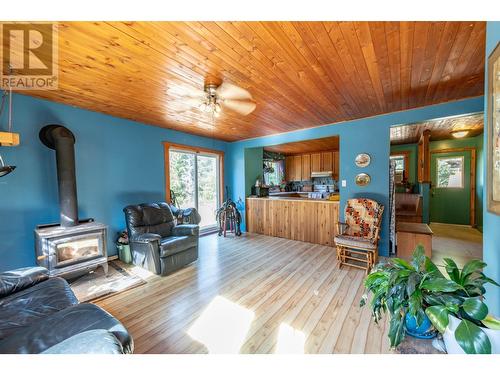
x=344, y=183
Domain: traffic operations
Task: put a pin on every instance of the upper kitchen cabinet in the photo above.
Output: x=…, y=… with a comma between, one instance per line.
x=326, y=161
x=305, y=157
x=316, y=162
x=293, y=168
x=306, y=167
x=297, y=167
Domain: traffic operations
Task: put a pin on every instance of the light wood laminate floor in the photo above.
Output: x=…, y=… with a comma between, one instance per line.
x=252, y=294
x=459, y=242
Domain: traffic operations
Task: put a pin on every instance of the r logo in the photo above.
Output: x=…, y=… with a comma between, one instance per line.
x=29, y=53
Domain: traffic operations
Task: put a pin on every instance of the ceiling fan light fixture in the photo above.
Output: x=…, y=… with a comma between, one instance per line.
x=459, y=133
x=203, y=107
x=217, y=108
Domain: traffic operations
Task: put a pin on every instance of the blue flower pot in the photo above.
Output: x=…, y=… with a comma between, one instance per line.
x=422, y=331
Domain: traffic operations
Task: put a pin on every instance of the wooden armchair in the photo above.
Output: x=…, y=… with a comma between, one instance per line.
x=357, y=241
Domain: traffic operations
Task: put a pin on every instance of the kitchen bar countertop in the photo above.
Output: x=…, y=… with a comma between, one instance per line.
x=294, y=199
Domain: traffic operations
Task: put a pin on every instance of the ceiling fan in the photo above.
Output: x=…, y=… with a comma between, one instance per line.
x=214, y=98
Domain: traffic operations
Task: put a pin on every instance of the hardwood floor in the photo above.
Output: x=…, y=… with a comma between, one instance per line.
x=253, y=294
x=459, y=242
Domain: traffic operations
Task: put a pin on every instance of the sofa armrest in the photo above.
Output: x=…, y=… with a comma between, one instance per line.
x=146, y=238
x=21, y=278
x=96, y=341
x=186, y=230
x=145, y=249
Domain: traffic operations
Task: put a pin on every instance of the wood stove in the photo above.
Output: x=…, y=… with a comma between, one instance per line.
x=71, y=247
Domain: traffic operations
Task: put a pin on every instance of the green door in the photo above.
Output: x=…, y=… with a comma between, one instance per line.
x=450, y=191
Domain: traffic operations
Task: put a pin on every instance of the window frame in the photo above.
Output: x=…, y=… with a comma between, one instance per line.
x=462, y=158
x=406, y=156
x=167, y=147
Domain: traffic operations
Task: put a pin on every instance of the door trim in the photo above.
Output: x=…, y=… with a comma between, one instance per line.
x=197, y=150
x=472, y=203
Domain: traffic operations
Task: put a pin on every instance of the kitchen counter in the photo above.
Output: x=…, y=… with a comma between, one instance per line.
x=294, y=199
x=301, y=219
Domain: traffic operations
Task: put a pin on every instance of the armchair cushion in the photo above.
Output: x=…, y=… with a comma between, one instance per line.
x=173, y=245
x=363, y=217
x=149, y=218
x=21, y=278
x=352, y=241
x=186, y=230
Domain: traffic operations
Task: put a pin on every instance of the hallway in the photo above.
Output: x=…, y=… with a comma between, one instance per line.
x=459, y=242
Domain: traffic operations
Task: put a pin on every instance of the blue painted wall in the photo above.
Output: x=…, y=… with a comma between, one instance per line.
x=369, y=135
x=118, y=162
x=491, y=222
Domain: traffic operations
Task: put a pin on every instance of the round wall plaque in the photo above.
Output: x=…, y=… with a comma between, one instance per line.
x=362, y=160
x=363, y=179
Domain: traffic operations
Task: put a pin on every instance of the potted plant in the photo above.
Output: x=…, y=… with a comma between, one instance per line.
x=460, y=314
x=399, y=288
x=416, y=293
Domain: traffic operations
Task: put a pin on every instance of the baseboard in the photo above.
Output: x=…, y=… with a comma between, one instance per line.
x=112, y=257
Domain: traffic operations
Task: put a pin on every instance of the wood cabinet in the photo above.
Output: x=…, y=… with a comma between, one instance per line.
x=316, y=162
x=288, y=167
x=299, y=167
x=306, y=167
x=300, y=220
x=293, y=168
x=336, y=161
x=326, y=161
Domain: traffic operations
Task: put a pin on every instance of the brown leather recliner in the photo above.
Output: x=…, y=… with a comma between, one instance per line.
x=156, y=242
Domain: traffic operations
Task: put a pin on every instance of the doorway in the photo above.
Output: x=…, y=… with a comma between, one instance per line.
x=450, y=195
x=194, y=180
x=437, y=179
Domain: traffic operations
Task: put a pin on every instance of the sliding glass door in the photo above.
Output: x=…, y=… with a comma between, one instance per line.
x=194, y=181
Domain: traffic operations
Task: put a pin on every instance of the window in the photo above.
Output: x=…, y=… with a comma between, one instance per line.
x=400, y=162
x=400, y=167
x=273, y=172
x=450, y=172
x=194, y=178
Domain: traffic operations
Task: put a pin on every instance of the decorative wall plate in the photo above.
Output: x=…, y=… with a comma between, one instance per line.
x=363, y=179
x=362, y=160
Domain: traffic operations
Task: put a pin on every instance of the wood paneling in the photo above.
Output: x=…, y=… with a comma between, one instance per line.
x=301, y=220
x=278, y=280
x=306, y=147
x=440, y=129
x=297, y=167
x=301, y=74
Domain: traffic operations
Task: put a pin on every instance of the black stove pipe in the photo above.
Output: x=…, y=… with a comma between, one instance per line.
x=61, y=139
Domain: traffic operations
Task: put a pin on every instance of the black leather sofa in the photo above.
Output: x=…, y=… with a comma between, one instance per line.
x=39, y=314
x=156, y=242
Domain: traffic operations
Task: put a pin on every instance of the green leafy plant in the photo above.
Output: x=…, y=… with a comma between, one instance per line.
x=464, y=300
x=399, y=287
x=420, y=289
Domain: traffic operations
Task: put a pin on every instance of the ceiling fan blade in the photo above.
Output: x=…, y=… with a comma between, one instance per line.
x=186, y=91
x=243, y=107
x=230, y=91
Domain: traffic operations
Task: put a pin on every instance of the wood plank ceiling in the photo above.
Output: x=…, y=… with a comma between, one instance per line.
x=440, y=129
x=301, y=74
x=302, y=147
